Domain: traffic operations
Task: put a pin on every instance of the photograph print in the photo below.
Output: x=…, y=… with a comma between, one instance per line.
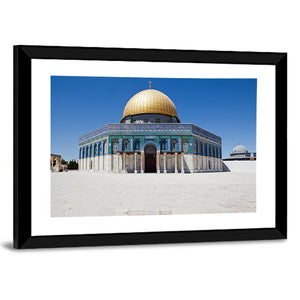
x=137, y=146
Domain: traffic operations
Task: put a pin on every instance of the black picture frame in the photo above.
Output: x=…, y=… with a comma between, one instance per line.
x=23, y=56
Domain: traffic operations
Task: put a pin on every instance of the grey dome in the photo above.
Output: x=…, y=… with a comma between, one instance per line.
x=240, y=149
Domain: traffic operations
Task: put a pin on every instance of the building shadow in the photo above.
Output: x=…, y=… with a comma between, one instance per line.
x=225, y=167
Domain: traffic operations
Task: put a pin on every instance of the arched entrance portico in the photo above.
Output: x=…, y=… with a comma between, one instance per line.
x=150, y=158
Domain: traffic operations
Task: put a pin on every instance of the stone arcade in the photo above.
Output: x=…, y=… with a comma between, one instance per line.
x=150, y=138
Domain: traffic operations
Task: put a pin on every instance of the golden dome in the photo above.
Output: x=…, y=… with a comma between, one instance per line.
x=150, y=102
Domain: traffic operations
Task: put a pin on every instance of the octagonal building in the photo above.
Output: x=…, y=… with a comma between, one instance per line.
x=150, y=138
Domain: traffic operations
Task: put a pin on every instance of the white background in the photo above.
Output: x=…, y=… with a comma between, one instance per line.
x=245, y=270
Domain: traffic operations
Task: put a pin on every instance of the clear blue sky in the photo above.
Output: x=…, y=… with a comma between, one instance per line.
x=226, y=107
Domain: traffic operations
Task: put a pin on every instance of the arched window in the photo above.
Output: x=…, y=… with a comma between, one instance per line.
x=80, y=153
x=174, y=145
x=185, y=145
x=99, y=149
x=136, y=145
x=95, y=150
x=126, y=145
x=204, y=149
x=90, y=151
x=104, y=147
x=87, y=151
x=115, y=145
x=200, y=148
x=195, y=147
x=163, y=145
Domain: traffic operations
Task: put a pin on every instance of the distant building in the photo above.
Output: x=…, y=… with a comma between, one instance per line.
x=241, y=152
x=55, y=163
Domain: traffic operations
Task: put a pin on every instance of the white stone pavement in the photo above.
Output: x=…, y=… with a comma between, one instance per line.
x=88, y=193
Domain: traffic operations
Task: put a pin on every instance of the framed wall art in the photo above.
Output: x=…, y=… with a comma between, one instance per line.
x=143, y=146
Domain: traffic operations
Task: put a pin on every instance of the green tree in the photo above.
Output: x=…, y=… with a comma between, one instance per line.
x=72, y=165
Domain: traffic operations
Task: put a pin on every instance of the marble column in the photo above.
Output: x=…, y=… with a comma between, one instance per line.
x=142, y=161
x=176, y=169
x=118, y=162
x=165, y=162
x=88, y=163
x=157, y=162
x=135, y=156
x=111, y=162
x=124, y=162
x=182, y=163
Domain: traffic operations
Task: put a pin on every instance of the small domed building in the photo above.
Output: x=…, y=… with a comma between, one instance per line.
x=150, y=138
x=240, y=152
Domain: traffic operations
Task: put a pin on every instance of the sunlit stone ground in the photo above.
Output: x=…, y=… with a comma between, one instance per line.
x=94, y=194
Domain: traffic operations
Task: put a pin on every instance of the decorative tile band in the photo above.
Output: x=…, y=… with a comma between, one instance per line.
x=149, y=129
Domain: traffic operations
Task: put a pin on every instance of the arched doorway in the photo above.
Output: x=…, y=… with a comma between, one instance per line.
x=150, y=158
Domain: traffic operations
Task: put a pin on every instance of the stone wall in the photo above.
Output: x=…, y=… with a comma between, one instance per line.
x=240, y=166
